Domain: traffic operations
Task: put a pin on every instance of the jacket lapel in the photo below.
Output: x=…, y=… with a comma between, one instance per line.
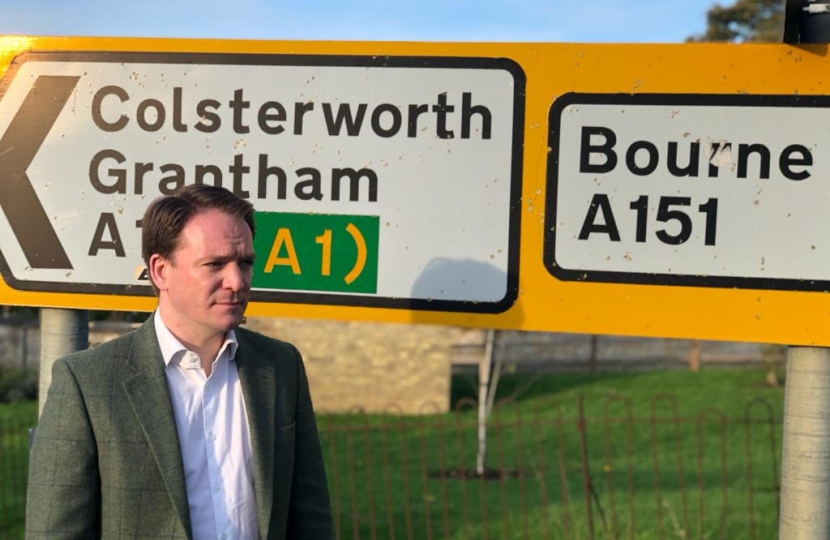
x=149, y=397
x=257, y=376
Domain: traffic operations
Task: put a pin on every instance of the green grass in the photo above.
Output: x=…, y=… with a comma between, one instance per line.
x=15, y=421
x=384, y=471
x=679, y=466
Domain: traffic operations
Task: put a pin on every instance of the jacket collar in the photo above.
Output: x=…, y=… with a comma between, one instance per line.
x=149, y=397
x=257, y=376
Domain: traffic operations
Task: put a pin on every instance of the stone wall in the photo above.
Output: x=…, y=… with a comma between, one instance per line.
x=20, y=345
x=350, y=365
x=375, y=367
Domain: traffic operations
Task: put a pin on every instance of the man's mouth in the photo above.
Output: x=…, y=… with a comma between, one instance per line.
x=232, y=303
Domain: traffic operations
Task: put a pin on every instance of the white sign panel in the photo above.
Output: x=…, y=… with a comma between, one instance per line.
x=705, y=190
x=425, y=151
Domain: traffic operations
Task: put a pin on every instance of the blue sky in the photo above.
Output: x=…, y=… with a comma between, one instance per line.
x=645, y=21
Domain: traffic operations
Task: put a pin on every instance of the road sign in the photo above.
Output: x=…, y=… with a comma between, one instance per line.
x=656, y=190
x=709, y=191
x=392, y=143
x=338, y=252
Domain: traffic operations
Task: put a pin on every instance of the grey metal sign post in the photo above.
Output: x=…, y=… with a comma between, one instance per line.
x=62, y=331
x=805, y=476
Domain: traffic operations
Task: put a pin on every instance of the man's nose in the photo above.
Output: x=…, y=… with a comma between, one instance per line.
x=236, y=279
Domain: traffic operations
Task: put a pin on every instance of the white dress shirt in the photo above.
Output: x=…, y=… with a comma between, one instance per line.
x=215, y=439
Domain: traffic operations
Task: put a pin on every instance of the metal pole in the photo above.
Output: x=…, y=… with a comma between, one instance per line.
x=805, y=474
x=62, y=331
x=24, y=354
x=484, y=368
x=805, y=469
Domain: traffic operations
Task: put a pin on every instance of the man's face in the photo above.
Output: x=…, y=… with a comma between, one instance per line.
x=204, y=286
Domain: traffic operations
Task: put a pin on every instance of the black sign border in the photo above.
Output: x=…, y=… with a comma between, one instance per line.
x=639, y=278
x=322, y=60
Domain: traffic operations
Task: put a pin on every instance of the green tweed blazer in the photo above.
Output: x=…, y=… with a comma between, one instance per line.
x=106, y=461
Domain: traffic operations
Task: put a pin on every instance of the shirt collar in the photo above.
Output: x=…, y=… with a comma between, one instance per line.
x=172, y=349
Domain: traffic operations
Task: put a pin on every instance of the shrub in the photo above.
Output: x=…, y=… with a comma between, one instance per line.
x=17, y=384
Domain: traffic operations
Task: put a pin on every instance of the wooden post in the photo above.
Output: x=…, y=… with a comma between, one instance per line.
x=694, y=356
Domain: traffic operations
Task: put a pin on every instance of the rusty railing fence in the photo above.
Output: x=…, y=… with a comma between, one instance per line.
x=635, y=470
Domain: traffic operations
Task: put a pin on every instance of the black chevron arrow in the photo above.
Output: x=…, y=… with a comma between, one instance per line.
x=18, y=147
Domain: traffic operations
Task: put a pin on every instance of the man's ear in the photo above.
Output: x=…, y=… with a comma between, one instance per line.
x=158, y=269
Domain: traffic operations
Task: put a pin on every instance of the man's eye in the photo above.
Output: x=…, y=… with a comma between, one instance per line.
x=247, y=264
x=214, y=264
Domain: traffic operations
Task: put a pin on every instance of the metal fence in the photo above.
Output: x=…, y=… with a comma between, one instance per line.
x=630, y=470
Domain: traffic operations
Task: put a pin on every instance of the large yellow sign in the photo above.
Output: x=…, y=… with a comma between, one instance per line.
x=655, y=190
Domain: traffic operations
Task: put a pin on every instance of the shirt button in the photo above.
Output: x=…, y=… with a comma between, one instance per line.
x=212, y=437
x=217, y=487
x=224, y=536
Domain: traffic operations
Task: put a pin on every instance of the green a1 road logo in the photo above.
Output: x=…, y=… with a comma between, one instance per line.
x=316, y=252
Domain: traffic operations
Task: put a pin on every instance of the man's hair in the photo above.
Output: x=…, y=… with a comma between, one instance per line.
x=167, y=216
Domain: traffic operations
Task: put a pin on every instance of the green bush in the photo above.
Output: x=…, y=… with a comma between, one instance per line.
x=17, y=384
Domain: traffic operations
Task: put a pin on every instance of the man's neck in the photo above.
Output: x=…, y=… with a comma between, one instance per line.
x=207, y=352
x=206, y=346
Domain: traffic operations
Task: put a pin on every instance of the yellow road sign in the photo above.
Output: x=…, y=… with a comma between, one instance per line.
x=657, y=190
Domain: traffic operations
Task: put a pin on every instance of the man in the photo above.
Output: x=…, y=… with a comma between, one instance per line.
x=188, y=427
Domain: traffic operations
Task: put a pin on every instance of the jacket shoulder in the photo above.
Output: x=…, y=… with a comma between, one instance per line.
x=109, y=350
x=283, y=352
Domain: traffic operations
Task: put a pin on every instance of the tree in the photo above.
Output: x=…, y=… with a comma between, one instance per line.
x=745, y=21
